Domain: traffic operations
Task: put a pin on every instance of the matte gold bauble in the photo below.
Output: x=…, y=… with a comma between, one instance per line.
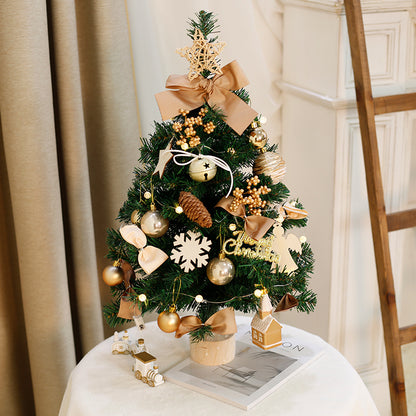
x=202, y=169
x=168, y=321
x=258, y=137
x=220, y=270
x=113, y=275
x=271, y=164
x=153, y=224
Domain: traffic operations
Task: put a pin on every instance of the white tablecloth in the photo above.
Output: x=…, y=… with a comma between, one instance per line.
x=103, y=384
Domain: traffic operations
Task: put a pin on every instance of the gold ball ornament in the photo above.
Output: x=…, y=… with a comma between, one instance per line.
x=113, y=275
x=202, y=170
x=168, y=321
x=153, y=224
x=270, y=164
x=258, y=137
x=220, y=270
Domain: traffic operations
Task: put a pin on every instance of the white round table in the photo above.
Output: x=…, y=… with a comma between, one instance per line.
x=103, y=384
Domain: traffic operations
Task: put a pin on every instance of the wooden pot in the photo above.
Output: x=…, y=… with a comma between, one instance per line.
x=215, y=350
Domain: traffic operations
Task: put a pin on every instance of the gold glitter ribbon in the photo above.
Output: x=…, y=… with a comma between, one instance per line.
x=254, y=225
x=221, y=322
x=216, y=91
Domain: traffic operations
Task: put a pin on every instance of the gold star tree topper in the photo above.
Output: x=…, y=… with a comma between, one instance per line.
x=202, y=55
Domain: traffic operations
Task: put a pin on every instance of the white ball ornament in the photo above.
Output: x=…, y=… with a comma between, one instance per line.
x=202, y=169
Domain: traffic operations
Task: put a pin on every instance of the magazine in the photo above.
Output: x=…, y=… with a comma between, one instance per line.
x=251, y=376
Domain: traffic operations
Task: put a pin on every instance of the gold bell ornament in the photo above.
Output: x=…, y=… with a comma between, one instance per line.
x=258, y=137
x=113, y=275
x=270, y=164
x=220, y=270
x=202, y=169
x=168, y=321
x=153, y=223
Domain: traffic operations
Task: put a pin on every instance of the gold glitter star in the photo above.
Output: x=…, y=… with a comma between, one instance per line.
x=202, y=55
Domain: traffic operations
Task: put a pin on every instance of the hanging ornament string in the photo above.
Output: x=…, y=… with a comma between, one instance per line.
x=177, y=279
x=216, y=160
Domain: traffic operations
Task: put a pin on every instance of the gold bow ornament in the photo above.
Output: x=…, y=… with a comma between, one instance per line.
x=291, y=212
x=149, y=258
x=255, y=226
x=221, y=322
x=216, y=91
x=288, y=301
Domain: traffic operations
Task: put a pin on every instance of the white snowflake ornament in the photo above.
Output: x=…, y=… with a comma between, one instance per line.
x=190, y=250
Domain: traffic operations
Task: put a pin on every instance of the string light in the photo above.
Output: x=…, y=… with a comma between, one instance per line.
x=142, y=297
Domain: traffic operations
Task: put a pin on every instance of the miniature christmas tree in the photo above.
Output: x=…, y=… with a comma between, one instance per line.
x=205, y=224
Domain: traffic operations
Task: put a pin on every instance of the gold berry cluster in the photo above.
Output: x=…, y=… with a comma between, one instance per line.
x=187, y=130
x=251, y=197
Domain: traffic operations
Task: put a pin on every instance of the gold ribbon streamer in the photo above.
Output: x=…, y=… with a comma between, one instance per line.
x=254, y=225
x=288, y=301
x=215, y=91
x=149, y=258
x=221, y=322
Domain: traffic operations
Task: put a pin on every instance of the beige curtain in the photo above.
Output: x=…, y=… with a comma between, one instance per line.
x=69, y=140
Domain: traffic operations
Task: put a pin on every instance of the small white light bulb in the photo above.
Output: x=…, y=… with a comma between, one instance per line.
x=199, y=298
x=258, y=293
x=142, y=297
x=147, y=195
x=302, y=239
x=179, y=209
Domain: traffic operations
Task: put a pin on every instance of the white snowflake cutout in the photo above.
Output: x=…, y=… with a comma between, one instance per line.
x=190, y=251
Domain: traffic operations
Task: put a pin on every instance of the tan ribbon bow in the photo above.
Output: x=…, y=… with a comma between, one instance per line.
x=221, y=322
x=215, y=91
x=288, y=301
x=149, y=258
x=255, y=226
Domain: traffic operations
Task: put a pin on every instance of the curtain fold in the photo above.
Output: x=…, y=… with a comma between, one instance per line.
x=69, y=134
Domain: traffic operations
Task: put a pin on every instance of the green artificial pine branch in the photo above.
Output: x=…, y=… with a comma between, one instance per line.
x=206, y=22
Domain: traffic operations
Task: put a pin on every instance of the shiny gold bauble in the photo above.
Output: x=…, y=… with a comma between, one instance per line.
x=258, y=137
x=113, y=275
x=168, y=321
x=271, y=164
x=153, y=224
x=202, y=169
x=135, y=217
x=220, y=270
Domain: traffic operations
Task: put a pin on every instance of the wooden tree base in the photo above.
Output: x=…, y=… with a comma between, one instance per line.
x=215, y=350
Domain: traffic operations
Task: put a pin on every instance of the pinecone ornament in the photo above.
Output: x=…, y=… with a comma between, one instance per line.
x=194, y=209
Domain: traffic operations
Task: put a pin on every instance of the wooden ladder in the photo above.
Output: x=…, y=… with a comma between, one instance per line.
x=381, y=223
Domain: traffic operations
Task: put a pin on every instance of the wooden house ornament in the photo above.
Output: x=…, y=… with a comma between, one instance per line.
x=266, y=331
